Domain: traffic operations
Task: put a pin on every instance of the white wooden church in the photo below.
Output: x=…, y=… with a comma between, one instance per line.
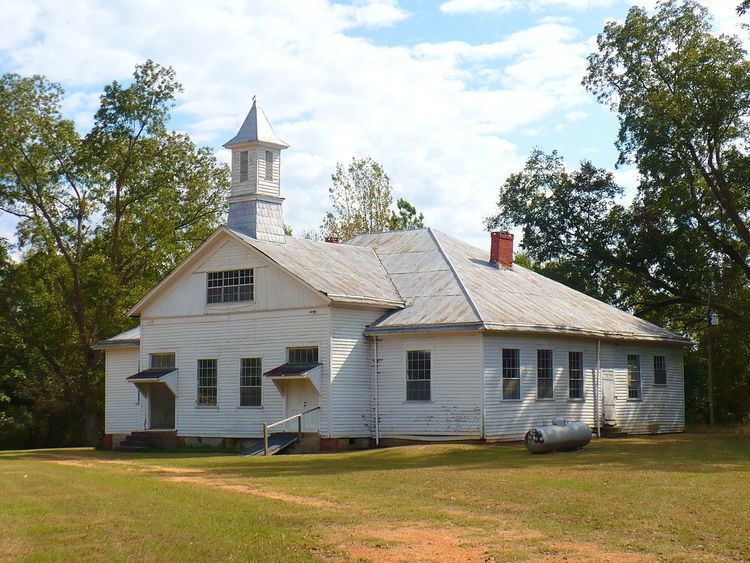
x=387, y=337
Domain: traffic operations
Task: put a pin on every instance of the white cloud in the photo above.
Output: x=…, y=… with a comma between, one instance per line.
x=439, y=116
x=500, y=6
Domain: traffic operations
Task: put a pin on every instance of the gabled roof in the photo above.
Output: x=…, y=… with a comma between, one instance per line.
x=345, y=274
x=256, y=128
x=448, y=283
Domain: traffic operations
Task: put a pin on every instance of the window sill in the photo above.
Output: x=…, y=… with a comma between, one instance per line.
x=512, y=400
x=546, y=399
x=581, y=400
x=423, y=401
x=231, y=303
x=250, y=407
x=207, y=407
x=629, y=400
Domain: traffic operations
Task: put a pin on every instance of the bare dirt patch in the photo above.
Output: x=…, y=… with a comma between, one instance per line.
x=228, y=485
x=593, y=552
x=413, y=541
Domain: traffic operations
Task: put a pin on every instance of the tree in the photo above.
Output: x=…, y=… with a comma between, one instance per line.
x=682, y=95
x=406, y=217
x=361, y=197
x=103, y=217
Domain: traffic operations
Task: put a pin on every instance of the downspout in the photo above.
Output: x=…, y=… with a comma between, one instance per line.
x=599, y=406
x=377, y=409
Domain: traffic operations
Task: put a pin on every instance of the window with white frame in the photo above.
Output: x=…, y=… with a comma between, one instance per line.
x=243, y=166
x=544, y=372
x=660, y=370
x=230, y=286
x=511, y=373
x=251, y=380
x=302, y=355
x=418, y=375
x=162, y=360
x=269, y=165
x=575, y=375
x=207, y=383
x=634, y=376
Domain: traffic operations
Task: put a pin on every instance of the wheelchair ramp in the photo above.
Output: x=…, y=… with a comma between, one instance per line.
x=276, y=443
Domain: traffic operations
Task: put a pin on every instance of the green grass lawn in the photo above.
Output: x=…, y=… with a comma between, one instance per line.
x=664, y=497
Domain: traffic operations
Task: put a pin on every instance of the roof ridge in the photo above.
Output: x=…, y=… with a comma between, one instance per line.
x=465, y=291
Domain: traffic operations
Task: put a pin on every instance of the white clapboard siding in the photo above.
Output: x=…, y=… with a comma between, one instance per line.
x=248, y=186
x=455, y=405
x=352, y=371
x=124, y=406
x=269, y=187
x=661, y=408
x=510, y=419
x=228, y=338
x=274, y=288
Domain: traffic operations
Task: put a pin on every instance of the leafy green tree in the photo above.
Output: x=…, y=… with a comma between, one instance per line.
x=682, y=95
x=405, y=217
x=361, y=197
x=103, y=216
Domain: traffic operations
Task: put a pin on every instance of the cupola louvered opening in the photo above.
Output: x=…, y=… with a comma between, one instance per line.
x=243, y=166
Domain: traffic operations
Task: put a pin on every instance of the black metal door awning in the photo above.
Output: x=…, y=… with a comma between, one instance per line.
x=150, y=375
x=292, y=370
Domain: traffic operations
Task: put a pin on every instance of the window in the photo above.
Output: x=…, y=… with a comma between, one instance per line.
x=418, y=369
x=511, y=373
x=544, y=386
x=660, y=370
x=243, y=166
x=303, y=355
x=207, y=383
x=250, y=382
x=575, y=375
x=269, y=165
x=231, y=286
x=162, y=360
x=634, y=376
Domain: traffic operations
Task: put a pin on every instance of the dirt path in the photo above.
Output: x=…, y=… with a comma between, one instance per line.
x=387, y=540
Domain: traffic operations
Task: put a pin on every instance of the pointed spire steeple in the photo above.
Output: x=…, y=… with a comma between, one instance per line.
x=256, y=129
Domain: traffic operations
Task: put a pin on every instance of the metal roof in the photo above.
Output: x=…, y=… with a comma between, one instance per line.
x=482, y=295
x=344, y=273
x=256, y=128
x=130, y=337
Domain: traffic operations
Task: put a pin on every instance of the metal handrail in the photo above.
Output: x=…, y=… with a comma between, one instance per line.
x=287, y=419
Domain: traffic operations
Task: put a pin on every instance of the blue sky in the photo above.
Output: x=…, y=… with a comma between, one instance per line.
x=450, y=96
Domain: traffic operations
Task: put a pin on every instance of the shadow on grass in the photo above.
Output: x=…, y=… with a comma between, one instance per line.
x=690, y=453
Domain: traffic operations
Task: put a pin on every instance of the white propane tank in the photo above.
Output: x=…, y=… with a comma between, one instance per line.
x=557, y=437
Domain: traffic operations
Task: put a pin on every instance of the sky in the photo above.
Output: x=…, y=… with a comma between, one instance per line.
x=450, y=96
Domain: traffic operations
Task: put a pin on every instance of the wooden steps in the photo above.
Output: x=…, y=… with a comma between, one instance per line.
x=143, y=440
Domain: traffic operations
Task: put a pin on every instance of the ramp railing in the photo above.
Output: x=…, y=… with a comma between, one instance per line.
x=267, y=427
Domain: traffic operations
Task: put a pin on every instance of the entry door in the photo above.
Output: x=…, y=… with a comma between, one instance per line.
x=608, y=391
x=302, y=396
x=161, y=407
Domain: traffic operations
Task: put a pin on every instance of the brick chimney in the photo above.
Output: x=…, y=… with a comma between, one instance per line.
x=333, y=240
x=501, y=249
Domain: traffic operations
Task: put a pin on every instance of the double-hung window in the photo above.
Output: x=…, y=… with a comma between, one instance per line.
x=207, y=383
x=575, y=375
x=660, y=370
x=511, y=373
x=634, y=376
x=302, y=355
x=418, y=375
x=544, y=372
x=251, y=380
x=162, y=360
x=230, y=286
